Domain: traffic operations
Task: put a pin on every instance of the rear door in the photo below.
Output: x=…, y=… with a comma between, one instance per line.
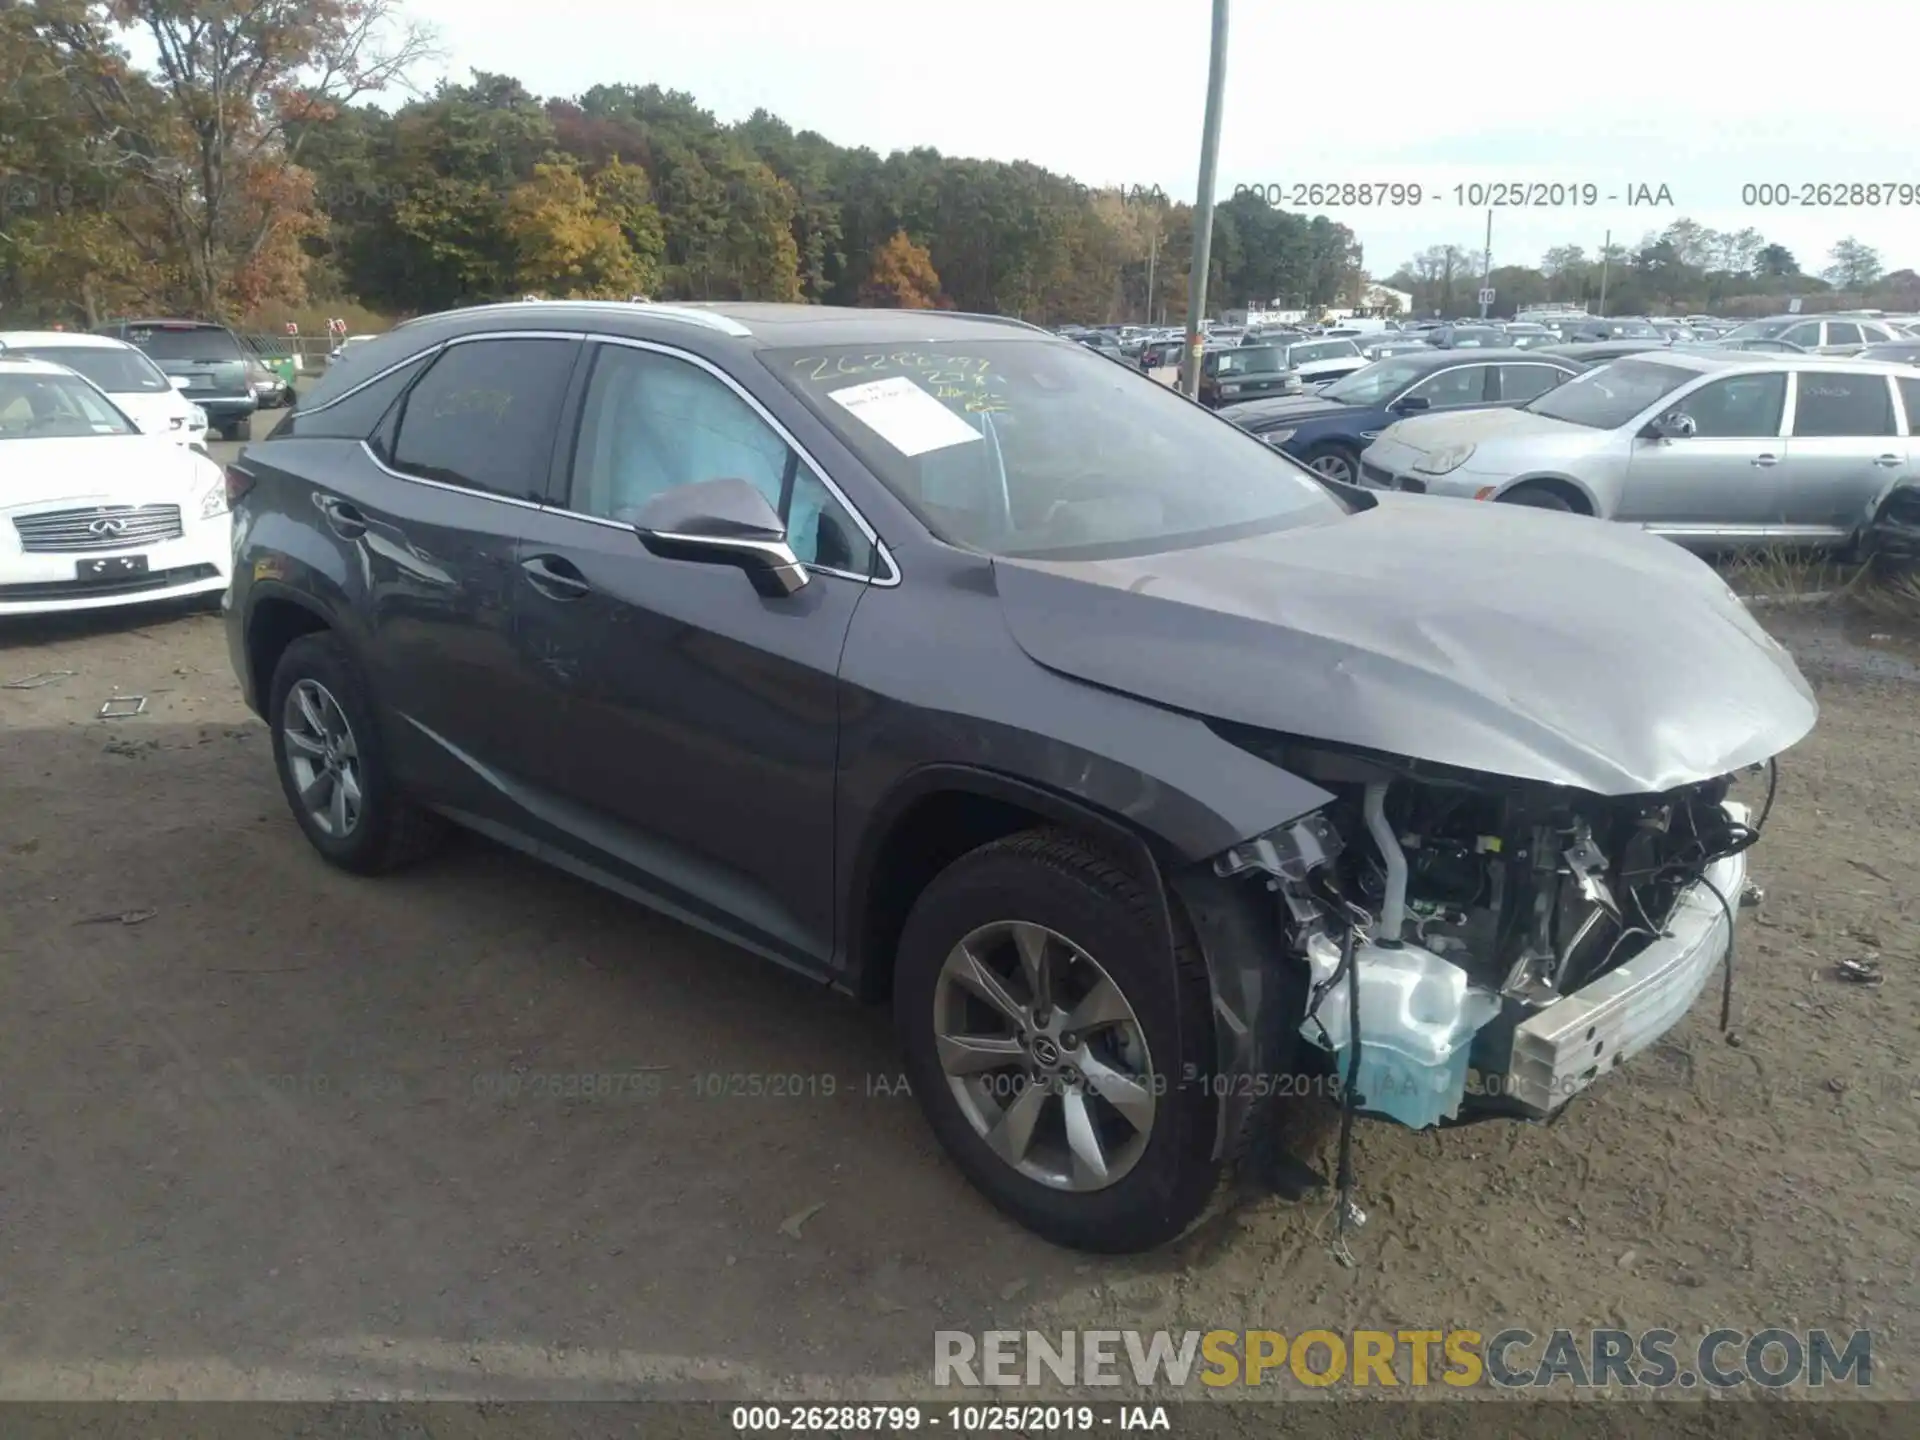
x=1845, y=446
x=433, y=513
x=1722, y=481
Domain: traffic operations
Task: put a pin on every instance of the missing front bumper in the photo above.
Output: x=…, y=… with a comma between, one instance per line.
x=1573, y=1042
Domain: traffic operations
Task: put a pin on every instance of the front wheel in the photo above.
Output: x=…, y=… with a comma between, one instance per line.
x=1539, y=498
x=1337, y=462
x=1057, y=1047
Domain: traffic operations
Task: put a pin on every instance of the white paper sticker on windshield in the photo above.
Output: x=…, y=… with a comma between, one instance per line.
x=904, y=415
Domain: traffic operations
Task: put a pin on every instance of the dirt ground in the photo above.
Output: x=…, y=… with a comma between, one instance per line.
x=258, y=1141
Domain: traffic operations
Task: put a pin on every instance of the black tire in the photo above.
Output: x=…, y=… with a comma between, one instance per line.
x=235, y=430
x=1540, y=498
x=1345, y=454
x=1052, y=878
x=391, y=831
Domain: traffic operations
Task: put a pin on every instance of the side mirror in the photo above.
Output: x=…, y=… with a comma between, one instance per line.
x=723, y=522
x=1411, y=404
x=179, y=382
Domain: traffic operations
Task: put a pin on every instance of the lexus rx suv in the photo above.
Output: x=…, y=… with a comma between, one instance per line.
x=1149, y=777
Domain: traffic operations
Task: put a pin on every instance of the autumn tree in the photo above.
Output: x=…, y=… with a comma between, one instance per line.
x=902, y=278
x=209, y=139
x=565, y=244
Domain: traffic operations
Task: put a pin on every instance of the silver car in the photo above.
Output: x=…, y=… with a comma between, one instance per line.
x=1715, y=451
x=1817, y=334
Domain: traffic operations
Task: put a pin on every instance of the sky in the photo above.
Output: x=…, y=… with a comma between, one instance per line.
x=1700, y=97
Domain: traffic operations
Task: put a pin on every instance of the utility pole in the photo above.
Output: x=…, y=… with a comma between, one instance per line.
x=1486, y=267
x=1153, y=254
x=1606, y=258
x=1203, y=208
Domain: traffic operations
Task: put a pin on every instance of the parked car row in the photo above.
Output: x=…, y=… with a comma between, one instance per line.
x=1714, y=451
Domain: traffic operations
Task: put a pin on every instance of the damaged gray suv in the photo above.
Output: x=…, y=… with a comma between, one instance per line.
x=1152, y=780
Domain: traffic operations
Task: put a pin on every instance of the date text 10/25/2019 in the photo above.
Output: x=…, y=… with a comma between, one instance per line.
x=1472, y=195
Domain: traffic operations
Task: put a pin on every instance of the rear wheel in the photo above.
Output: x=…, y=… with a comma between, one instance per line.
x=1048, y=1033
x=333, y=767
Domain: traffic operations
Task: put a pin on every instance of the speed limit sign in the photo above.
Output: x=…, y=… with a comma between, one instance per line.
x=1486, y=296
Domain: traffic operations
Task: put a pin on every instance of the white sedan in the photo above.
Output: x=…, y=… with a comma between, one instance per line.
x=94, y=512
x=148, y=395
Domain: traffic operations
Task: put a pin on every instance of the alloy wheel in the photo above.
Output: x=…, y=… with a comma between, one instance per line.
x=323, y=758
x=1044, y=1055
x=1334, y=466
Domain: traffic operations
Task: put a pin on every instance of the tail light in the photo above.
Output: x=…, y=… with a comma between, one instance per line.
x=239, y=482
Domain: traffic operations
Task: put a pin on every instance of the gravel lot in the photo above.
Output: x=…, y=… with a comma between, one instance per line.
x=259, y=1142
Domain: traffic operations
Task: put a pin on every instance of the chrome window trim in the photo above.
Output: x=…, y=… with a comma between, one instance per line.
x=888, y=581
x=413, y=359
x=435, y=351
x=892, y=575
x=707, y=319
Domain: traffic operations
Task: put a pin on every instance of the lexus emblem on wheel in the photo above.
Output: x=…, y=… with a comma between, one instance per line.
x=108, y=527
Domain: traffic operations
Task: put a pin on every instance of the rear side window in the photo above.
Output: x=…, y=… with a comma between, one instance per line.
x=1840, y=332
x=483, y=416
x=185, y=342
x=1525, y=382
x=354, y=415
x=1831, y=404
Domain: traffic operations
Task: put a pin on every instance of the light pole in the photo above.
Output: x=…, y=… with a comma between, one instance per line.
x=1486, y=266
x=1203, y=206
x=1606, y=258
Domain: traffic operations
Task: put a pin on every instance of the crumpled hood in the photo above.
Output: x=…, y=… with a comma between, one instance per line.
x=1517, y=642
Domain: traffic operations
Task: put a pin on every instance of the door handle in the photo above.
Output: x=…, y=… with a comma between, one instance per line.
x=555, y=578
x=345, y=521
x=1764, y=460
x=1887, y=460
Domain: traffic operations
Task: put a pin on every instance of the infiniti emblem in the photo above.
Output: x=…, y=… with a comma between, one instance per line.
x=108, y=527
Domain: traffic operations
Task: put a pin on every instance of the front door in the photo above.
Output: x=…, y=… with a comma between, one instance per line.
x=699, y=720
x=1722, y=481
x=1846, y=446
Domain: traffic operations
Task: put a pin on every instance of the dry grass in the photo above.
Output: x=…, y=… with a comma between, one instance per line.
x=1777, y=571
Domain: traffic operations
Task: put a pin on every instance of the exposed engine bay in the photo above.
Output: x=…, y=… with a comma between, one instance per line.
x=1467, y=903
x=1534, y=935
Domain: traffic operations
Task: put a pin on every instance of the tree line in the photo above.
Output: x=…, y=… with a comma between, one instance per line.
x=1685, y=268
x=250, y=167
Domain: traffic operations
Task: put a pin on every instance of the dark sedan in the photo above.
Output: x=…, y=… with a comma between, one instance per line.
x=1598, y=352
x=1328, y=430
x=1467, y=337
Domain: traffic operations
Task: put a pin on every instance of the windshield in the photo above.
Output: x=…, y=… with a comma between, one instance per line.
x=1253, y=360
x=1017, y=447
x=1610, y=395
x=1377, y=383
x=1475, y=339
x=199, y=342
x=43, y=406
x=1759, y=329
x=114, y=370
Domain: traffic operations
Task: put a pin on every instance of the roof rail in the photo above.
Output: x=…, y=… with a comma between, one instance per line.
x=1000, y=320
x=726, y=324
